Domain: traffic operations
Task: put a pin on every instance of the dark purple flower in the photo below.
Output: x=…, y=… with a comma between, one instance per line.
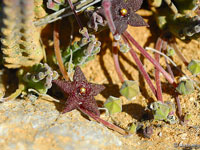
x=81, y=92
x=123, y=13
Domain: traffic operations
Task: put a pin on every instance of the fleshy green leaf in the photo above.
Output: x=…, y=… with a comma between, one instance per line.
x=187, y=117
x=113, y=104
x=124, y=48
x=194, y=67
x=39, y=77
x=185, y=87
x=130, y=89
x=170, y=52
x=160, y=110
x=133, y=128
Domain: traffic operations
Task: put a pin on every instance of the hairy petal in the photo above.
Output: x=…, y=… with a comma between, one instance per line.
x=136, y=20
x=90, y=105
x=78, y=75
x=71, y=104
x=65, y=86
x=121, y=25
x=135, y=4
x=96, y=89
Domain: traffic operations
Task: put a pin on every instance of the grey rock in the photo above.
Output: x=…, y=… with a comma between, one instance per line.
x=41, y=126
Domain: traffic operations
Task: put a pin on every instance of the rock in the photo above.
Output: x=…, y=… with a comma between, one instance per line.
x=24, y=125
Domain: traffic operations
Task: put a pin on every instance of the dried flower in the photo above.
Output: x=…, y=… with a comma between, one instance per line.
x=81, y=93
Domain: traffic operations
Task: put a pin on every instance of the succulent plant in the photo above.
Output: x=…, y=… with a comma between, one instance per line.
x=56, y=4
x=194, y=67
x=39, y=9
x=163, y=111
x=185, y=87
x=113, y=105
x=80, y=52
x=180, y=24
x=19, y=36
x=130, y=89
x=133, y=128
x=39, y=77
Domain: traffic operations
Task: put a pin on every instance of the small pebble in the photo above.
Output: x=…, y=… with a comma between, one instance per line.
x=183, y=136
x=160, y=134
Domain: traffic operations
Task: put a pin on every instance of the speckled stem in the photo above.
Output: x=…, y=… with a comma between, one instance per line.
x=106, y=6
x=140, y=66
x=77, y=18
x=157, y=72
x=155, y=63
x=105, y=123
x=116, y=61
x=176, y=94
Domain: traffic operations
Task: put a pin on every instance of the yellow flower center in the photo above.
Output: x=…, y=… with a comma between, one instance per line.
x=123, y=12
x=82, y=90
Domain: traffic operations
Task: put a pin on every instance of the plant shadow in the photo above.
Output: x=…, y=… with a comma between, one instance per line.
x=137, y=111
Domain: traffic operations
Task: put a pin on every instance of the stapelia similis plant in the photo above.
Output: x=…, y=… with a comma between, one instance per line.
x=81, y=96
x=120, y=33
x=128, y=39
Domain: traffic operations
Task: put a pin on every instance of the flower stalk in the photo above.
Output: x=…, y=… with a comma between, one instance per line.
x=157, y=72
x=105, y=123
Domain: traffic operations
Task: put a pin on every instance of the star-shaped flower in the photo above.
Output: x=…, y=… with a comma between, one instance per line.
x=80, y=92
x=123, y=13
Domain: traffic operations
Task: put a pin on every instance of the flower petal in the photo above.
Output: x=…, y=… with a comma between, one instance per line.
x=90, y=105
x=71, y=104
x=96, y=89
x=78, y=75
x=121, y=25
x=65, y=86
x=136, y=20
x=134, y=4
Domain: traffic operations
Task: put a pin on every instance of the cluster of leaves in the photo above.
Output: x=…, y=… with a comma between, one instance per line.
x=38, y=77
x=179, y=19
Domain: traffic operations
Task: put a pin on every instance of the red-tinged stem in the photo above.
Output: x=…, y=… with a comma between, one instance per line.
x=116, y=61
x=77, y=18
x=154, y=62
x=105, y=123
x=57, y=50
x=179, y=54
x=140, y=66
x=157, y=72
x=176, y=94
x=106, y=6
